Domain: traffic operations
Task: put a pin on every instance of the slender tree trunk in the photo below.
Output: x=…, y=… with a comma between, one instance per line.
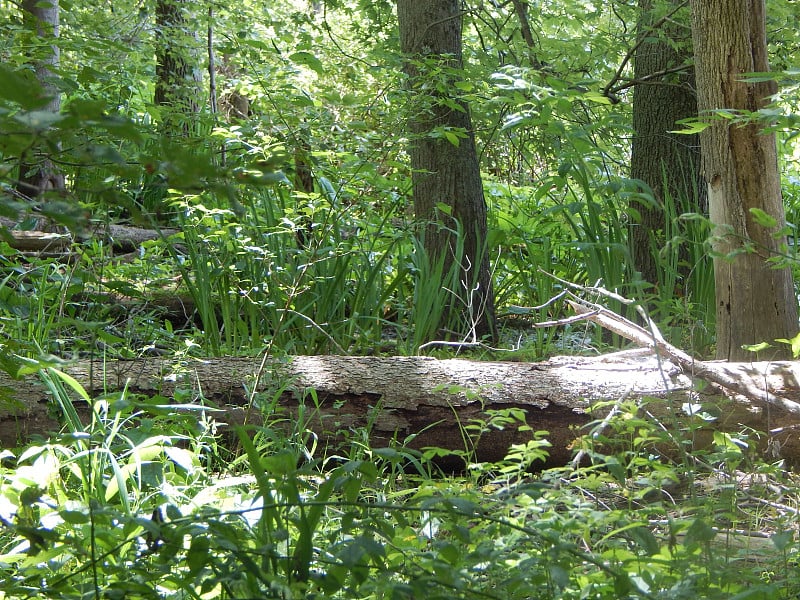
x=177, y=90
x=39, y=174
x=448, y=192
x=177, y=79
x=521, y=10
x=755, y=301
x=668, y=163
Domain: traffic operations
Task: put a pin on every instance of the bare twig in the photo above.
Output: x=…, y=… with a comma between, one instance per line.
x=631, y=51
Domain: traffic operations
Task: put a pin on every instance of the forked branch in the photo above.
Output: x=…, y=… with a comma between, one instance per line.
x=713, y=372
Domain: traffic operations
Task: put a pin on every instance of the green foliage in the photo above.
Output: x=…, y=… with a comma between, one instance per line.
x=683, y=302
x=230, y=186
x=270, y=281
x=127, y=505
x=138, y=499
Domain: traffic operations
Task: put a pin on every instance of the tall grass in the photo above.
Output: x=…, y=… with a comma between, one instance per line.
x=598, y=221
x=575, y=226
x=254, y=285
x=684, y=305
x=585, y=224
x=435, y=288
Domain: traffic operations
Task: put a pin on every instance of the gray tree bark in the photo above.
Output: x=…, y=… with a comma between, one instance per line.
x=177, y=75
x=668, y=163
x=446, y=174
x=755, y=300
x=39, y=174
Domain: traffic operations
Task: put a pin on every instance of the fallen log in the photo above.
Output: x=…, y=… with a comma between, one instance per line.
x=422, y=401
x=716, y=372
x=39, y=241
x=128, y=239
x=122, y=238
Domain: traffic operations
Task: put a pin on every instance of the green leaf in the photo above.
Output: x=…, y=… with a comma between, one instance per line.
x=74, y=517
x=464, y=506
x=763, y=219
x=616, y=469
x=245, y=40
x=73, y=383
x=645, y=539
x=597, y=97
x=728, y=443
x=794, y=343
x=450, y=553
x=559, y=576
x=29, y=366
x=22, y=88
x=197, y=556
x=387, y=453
x=699, y=532
x=564, y=168
x=30, y=495
x=757, y=347
x=782, y=539
x=281, y=463
x=452, y=138
x=691, y=127
x=520, y=310
x=512, y=121
x=181, y=457
x=119, y=483
x=444, y=208
x=308, y=60
x=760, y=77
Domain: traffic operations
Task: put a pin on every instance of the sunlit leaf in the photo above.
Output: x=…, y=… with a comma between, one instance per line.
x=452, y=138
x=691, y=127
x=794, y=343
x=598, y=98
x=757, y=347
x=309, y=60
x=764, y=219
x=181, y=457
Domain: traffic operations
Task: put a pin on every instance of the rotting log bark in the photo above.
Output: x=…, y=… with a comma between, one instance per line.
x=121, y=237
x=128, y=239
x=39, y=241
x=420, y=400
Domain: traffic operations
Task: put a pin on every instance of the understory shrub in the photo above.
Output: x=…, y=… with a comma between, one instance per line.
x=136, y=505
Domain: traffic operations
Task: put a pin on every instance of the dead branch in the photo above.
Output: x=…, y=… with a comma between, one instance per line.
x=710, y=371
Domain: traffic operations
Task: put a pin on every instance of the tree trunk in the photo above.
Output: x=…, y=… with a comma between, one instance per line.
x=177, y=78
x=421, y=401
x=38, y=174
x=521, y=10
x=668, y=163
x=755, y=300
x=448, y=192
